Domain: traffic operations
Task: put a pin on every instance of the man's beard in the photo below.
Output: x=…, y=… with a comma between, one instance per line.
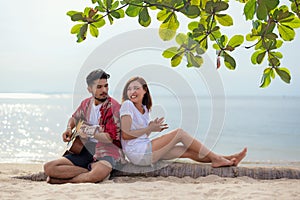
x=101, y=100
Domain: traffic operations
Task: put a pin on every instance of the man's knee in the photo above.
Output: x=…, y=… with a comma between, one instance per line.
x=48, y=167
x=100, y=171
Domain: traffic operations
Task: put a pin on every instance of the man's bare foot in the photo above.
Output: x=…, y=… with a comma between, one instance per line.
x=238, y=156
x=222, y=162
x=56, y=180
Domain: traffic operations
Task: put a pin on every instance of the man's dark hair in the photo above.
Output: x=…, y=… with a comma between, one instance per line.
x=95, y=75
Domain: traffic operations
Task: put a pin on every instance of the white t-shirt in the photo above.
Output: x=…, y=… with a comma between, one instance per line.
x=94, y=117
x=135, y=149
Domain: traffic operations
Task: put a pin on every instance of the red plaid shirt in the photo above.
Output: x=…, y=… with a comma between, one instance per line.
x=110, y=119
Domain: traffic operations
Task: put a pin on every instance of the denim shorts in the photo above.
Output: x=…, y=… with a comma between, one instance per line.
x=109, y=159
x=85, y=157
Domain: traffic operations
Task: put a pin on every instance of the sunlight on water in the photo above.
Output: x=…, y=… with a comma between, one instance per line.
x=31, y=132
x=31, y=128
x=22, y=96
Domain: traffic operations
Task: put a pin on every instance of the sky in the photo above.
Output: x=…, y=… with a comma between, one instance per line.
x=39, y=55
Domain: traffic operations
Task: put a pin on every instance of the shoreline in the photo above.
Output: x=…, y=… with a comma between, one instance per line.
x=209, y=187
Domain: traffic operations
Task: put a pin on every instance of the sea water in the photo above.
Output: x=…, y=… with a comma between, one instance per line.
x=31, y=125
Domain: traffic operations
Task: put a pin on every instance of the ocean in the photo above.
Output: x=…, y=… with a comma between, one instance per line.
x=31, y=125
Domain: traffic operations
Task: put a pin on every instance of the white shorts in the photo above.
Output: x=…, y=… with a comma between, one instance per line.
x=142, y=159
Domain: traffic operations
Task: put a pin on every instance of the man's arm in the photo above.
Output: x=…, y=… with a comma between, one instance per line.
x=103, y=136
x=68, y=133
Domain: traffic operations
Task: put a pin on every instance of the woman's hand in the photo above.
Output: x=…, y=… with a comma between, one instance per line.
x=157, y=125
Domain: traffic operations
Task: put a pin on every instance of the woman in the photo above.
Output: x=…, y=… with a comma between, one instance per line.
x=136, y=127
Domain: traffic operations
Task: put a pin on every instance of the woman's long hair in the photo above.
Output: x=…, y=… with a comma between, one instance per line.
x=147, y=100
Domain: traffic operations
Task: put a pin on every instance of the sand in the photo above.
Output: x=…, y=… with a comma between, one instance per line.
x=210, y=187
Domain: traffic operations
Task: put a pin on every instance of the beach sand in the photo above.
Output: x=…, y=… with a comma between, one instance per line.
x=210, y=187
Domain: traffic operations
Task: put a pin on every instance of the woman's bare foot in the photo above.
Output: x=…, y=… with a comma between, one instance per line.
x=238, y=157
x=222, y=162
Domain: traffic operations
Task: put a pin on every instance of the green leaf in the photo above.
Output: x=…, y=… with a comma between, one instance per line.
x=181, y=38
x=220, y=6
x=271, y=36
x=115, y=5
x=77, y=17
x=274, y=62
x=266, y=78
x=236, y=41
x=101, y=6
x=286, y=32
x=195, y=2
x=200, y=50
x=170, y=52
x=222, y=40
x=193, y=25
x=249, y=9
x=176, y=60
x=254, y=57
x=216, y=46
x=118, y=14
x=163, y=15
x=191, y=11
x=75, y=29
x=260, y=57
x=279, y=43
x=108, y=3
x=94, y=30
x=144, y=18
x=284, y=74
x=87, y=11
x=277, y=54
x=261, y=12
x=132, y=11
x=272, y=73
x=167, y=29
x=111, y=19
x=250, y=37
x=224, y=19
x=99, y=23
x=229, y=62
x=82, y=33
x=294, y=23
x=271, y=4
x=72, y=12
x=196, y=61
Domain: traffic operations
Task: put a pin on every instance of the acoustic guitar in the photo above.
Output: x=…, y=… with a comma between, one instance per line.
x=76, y=143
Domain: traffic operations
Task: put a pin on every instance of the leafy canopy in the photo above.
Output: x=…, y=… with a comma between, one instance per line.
x=272, y=25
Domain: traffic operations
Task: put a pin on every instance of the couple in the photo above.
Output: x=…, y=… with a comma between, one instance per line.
x=102, y=150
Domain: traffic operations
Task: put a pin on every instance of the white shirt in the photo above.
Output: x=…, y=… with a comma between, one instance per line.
x=94, y=117
x=135, y=148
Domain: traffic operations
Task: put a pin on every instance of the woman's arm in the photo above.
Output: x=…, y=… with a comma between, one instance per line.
x=154, y=126
x=128, y=134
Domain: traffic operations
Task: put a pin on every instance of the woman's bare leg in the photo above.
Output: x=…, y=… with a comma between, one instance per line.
x=163, y=145
x=180, y=151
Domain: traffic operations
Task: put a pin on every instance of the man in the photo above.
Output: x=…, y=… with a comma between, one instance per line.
x=101, y=151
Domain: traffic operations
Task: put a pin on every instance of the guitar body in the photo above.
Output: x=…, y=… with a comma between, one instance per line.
x=75, y=145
